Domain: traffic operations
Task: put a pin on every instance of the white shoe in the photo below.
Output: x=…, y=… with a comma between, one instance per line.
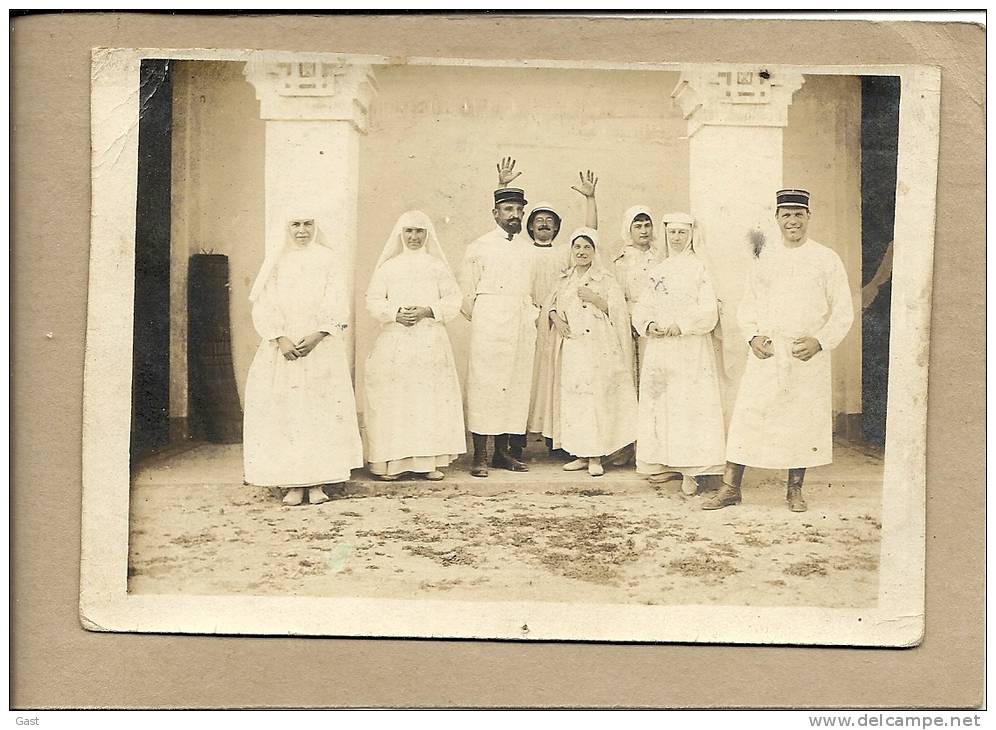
x=595, y=468
x=689, y=487
x=576, y=465
x=316, y=495
x=294, y=497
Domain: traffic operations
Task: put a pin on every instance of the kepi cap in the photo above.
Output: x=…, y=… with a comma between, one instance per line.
x=510, y=195
x=792, y=198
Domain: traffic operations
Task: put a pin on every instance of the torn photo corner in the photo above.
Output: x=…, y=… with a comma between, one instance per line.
x=318, y=513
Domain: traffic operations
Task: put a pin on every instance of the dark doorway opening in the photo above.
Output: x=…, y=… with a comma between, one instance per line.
x=150, y=368
x=879, y=151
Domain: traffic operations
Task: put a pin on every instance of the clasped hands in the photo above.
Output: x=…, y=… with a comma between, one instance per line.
x=803, y=348
x=303, y=348
x=655, y=330
x=410, y=316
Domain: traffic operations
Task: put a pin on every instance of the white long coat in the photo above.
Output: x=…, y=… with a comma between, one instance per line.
x=592, y=405
x=681, y=413
x=631, y=268
x=549, y=264
x=783, y=415
x=496, y=278
x=412, y=403
x=300, y=425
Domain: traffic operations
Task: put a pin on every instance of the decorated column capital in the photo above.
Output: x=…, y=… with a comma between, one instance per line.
x=306, y=87
x=738, y=96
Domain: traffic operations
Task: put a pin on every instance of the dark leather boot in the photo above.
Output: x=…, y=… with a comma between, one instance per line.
x=516, y=445
x=793, y=494
x=479, y=467
x=502, y=459
x=728, y=494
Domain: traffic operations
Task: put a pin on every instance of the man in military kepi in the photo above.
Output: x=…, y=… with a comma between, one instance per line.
x=797, y=308
x=497, y=282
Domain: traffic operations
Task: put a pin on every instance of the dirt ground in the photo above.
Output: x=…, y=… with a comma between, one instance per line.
x=546, y=535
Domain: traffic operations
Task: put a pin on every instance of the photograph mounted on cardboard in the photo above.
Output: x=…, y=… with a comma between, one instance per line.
x=514, y=349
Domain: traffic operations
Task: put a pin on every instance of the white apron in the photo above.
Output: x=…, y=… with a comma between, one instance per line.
x=783, y=416
x=497, y=279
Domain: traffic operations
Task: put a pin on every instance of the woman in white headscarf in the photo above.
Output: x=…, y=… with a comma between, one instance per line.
x=412, y=403
x=681, y=427
x=592, y=404
x=300, y=430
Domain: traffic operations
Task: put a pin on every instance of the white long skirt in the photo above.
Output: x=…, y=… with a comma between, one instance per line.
x=300, y=425
x=413, y=410
x=681, y=411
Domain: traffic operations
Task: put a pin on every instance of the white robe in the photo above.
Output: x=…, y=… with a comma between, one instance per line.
x=631, y=268
x=412, y=404
x=300, y=424
x=496, y=278
x=783, y=415
x=592, y=406
x=681, y=413
x=550, y=262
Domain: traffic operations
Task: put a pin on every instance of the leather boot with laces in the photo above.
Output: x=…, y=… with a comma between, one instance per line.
x=727, y=496
x=793, y=492
x=479, y=467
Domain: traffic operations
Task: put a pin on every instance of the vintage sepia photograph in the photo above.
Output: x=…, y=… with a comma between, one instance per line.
x=520, y=349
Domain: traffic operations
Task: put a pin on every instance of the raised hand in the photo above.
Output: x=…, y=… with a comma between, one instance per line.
x=506, y=171
x=588, y=183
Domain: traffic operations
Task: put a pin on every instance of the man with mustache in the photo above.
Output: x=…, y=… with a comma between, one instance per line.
x=796, y=309
x=497, y=281
x=543, y=224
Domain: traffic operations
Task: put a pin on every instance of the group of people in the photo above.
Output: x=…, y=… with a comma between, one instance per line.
x=608, y=362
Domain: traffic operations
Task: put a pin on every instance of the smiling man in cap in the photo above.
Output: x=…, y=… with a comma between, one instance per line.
x=796, y=309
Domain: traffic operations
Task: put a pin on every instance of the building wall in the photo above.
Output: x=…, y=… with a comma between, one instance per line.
x=435, y=136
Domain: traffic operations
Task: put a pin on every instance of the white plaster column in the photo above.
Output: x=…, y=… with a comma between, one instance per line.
x=735, y=120
x=315, y=107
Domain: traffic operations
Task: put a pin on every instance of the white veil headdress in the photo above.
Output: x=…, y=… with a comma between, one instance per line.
x=627, y=224
x=275, y=253
x=683, y=219
x=395, y=246
x=592, y=235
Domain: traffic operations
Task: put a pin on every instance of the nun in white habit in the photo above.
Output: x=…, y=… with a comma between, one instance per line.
x=592, y=403
x=300, y=430
x=681, y=427
x=412, y=403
